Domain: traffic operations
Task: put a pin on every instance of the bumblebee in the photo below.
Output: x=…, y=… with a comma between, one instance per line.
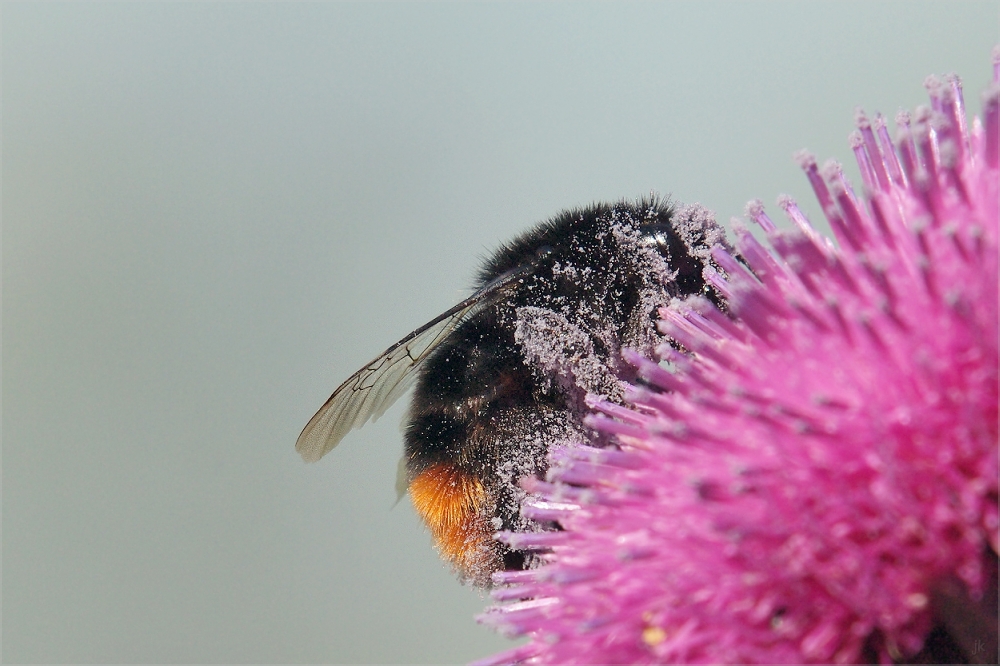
x=504, y=374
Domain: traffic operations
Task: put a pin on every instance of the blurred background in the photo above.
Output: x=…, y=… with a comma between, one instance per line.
x=214, y=213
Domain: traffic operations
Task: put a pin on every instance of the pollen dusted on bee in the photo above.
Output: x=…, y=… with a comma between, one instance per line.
x=505, y=375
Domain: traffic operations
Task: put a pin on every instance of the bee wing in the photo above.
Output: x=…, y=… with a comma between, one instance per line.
x=371, y=390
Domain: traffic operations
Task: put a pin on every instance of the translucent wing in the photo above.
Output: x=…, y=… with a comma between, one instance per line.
x=372, y=389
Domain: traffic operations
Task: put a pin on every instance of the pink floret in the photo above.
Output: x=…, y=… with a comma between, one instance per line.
x=798, y=484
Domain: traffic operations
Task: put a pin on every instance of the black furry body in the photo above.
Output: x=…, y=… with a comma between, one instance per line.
x=511, y=380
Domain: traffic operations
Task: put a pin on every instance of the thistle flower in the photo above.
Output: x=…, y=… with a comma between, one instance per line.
x=815, y=479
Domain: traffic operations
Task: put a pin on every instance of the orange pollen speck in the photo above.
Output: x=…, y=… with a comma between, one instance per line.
x=451, y=503
x=653, y=636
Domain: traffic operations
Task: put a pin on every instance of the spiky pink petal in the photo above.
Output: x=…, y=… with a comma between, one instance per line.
x=801, y=485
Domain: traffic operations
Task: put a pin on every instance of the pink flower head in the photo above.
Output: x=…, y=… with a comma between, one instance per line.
x=818, y=473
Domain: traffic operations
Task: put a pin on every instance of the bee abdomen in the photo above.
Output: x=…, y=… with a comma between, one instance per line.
x=453, y=504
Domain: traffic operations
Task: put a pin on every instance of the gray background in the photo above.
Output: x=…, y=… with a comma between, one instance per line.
x=213, y=213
